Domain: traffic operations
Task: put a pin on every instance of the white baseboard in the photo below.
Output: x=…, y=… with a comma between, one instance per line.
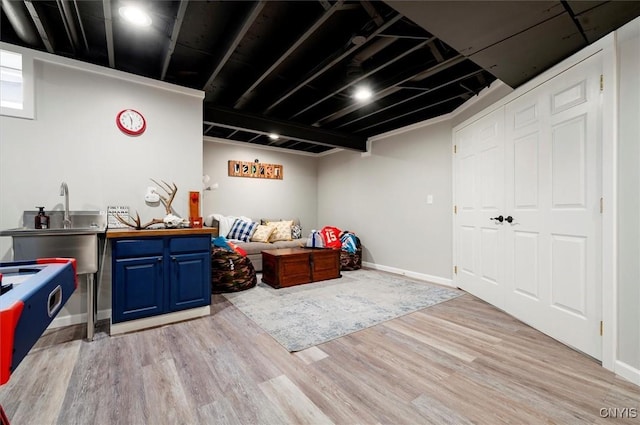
x=627, y=372
x=76, y=319
x=160, y=320
x=414, y=275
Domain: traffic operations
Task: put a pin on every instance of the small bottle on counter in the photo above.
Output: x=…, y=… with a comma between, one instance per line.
x=42, y=220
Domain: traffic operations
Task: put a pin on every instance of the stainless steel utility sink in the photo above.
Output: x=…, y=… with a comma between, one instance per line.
x=79, y=241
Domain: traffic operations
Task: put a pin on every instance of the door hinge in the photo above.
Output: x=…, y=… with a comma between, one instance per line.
x=455, y=209
x=601, y=328
x=601, y=205
x=455, y=148
x=455, y=269
x=601, y=82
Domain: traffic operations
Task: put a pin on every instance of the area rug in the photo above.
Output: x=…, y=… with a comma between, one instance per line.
x=302, y=316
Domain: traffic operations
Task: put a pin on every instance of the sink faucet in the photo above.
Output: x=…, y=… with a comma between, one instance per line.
x=64, y=191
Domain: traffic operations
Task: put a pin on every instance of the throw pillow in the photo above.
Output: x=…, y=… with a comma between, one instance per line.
x=296, y=231
x=224, y=223
x=242, y=230
x=262, y=233
x=282, y=231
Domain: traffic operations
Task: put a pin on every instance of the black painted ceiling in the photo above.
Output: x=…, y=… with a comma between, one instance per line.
x=291, y=67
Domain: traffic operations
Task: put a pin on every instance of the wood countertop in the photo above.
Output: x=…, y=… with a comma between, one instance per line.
x=186, y=231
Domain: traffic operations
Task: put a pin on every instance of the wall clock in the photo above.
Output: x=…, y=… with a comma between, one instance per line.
x=131, y=122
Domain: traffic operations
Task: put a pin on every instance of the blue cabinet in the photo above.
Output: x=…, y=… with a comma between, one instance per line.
x=159, y=274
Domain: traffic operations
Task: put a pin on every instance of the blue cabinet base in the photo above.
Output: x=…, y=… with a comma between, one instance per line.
x=160, y=275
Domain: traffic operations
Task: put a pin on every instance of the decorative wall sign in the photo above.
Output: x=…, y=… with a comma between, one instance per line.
x=112, y=212
x=257, y=170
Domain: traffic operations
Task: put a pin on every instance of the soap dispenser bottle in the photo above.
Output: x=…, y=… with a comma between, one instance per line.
x=42, y=220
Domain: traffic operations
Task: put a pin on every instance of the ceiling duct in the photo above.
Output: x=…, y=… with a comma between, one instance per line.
x=20, y=20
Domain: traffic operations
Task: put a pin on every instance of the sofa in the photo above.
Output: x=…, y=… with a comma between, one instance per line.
x=255, y=245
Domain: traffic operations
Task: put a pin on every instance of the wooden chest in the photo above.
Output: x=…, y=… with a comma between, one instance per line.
x=295, y=266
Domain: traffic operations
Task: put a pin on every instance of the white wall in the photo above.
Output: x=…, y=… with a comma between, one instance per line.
x=383, y=199
x=628, y=196
x=74, y=139
x=293, y=196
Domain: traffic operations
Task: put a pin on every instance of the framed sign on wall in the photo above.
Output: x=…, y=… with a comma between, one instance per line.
x=259, y=170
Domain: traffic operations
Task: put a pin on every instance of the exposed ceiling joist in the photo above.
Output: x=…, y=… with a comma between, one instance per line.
x=233, y=119
x=255, y=12
x=177, y=24
x=298, y=60
x=331, y=63
x=363, y=76
x=108, y=30
x=46, y=40
x=69, y=23
x=393, y=89
x=299, y=42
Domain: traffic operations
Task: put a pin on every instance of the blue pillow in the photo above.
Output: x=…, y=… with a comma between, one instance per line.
x=242, y=230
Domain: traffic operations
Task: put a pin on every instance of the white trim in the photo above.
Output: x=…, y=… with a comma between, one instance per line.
x=627, y=372
x=163, y=319
x=76, y=319
x=332, y=151
x=609, y=241
x=411, y=127
x=101, y=70
x=414, y=275
x=493, y=87
x=263, y=147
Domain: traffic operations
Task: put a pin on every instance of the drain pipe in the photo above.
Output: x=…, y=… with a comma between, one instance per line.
x=21, y=22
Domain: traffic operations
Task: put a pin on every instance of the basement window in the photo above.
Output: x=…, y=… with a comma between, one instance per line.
x=16, y=85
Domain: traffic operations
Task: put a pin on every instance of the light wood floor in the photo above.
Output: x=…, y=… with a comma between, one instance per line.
x=459, y=362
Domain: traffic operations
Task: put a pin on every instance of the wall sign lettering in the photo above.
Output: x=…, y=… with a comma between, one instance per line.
x=257, y=170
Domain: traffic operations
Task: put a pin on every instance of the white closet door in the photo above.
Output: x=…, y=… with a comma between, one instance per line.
x=479, y=198
x=536, y=162
x=553, y=189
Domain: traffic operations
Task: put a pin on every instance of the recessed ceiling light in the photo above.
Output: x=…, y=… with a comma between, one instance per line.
x=273, y=136
x=362, y=94
x=135, y=15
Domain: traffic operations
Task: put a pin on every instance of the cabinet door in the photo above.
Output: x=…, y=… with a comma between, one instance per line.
x=190, y=281
x=325, y=264
x=138, y=288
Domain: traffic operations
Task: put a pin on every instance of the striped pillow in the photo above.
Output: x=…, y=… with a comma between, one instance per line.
x=242, y=230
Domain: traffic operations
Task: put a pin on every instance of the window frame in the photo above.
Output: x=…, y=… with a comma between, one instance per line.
x=28, y=94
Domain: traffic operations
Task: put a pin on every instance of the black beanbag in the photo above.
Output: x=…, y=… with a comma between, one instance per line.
x=231, y=272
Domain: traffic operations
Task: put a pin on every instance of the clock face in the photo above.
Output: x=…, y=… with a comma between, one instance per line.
x=131, y=122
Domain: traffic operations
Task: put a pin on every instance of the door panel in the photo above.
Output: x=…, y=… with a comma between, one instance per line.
x=568, y=279
x=466, y=250
x=526, y=280
x=569, y=163
x=480, y=196
x=525, y=170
